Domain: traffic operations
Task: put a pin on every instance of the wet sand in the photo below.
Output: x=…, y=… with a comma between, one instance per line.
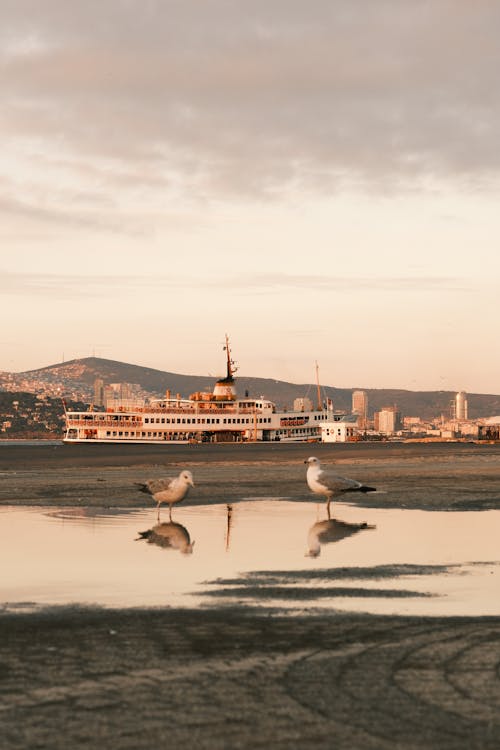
x=240, y=677
x=227, y=678
x=444, y=476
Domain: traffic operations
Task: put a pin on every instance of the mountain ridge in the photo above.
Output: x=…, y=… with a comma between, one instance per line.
x=425, y=404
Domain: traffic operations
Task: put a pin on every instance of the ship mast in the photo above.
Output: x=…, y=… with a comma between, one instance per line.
x=320, y=406
x=231, y=366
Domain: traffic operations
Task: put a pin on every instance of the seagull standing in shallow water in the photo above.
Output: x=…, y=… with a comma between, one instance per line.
x=327, y=483
x=168, y=491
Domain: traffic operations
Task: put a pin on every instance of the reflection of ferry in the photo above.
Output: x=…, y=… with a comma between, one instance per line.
x=218, y=417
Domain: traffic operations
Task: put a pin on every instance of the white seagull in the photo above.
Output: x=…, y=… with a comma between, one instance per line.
x=168, y=491
x=325, y=482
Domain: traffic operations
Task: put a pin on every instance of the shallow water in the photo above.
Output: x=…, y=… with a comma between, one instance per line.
x=253, y=554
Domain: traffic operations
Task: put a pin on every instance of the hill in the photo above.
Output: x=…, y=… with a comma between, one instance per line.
x=81, y=373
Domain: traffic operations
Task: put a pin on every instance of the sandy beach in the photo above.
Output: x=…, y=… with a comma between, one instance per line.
x=239, y=676
x=442, y=476
x=226, y=678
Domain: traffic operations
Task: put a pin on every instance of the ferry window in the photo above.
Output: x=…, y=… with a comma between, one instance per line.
x=108, y=433
x=114, y=434
x=120, y=433
x=147, y=420
x=163, y=420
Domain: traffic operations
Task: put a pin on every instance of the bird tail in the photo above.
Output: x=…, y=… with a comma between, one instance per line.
x=143, y=535
x=364, y=488
x=142, y=487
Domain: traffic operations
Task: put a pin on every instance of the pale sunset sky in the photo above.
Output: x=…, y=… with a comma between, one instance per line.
x=320, y=180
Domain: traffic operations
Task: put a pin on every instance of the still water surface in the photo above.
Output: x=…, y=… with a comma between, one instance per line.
x=269, y=553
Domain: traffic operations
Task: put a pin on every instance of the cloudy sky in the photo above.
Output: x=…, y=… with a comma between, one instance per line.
x=318, y=179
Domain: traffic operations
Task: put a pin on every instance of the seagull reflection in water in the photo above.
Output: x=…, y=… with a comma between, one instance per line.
x=169, y=535
x=331, y=530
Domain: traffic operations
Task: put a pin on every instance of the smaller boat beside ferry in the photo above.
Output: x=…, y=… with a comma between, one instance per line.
x=217, y=417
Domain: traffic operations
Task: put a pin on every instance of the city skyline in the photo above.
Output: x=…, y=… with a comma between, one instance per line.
x=320, y=182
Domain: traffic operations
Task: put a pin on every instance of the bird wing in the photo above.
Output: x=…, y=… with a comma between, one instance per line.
x=335, y=483
x=160, y=485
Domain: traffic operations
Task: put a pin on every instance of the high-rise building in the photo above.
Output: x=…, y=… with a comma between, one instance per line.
x=99, y=392
x=459, y=407
x=360, y=406
x=388, y=420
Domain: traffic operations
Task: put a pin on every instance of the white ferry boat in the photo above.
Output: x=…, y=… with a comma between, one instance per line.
x=217, y=417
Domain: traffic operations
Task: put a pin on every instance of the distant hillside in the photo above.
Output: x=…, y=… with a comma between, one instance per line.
x=88, y=369
x=426, y=404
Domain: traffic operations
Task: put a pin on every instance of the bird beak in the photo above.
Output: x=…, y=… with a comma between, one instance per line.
x=191, y=483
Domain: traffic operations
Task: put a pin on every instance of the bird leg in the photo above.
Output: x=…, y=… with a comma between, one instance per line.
x=158, y=512
x=328, y=508
x=170, y=512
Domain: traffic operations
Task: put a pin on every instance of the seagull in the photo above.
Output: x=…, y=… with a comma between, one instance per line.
x=325, y=482
x=168, y=491
x=333, y=530
x=171, y=535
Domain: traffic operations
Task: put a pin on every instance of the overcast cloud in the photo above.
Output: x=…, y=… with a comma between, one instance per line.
x=186, y=168
x=255, y=97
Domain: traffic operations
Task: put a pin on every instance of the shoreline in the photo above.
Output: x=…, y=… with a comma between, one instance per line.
x=425, y=476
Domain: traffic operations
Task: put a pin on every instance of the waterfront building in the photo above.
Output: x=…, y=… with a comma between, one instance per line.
x=459, y=407
x=98, y=392
x=388, y=420
x=360, y=407
x=342, y=429
x=489, y=429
